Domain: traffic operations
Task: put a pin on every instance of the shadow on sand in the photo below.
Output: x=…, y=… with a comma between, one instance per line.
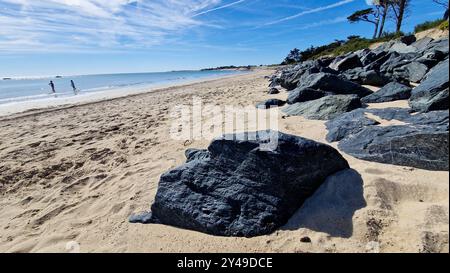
x=331, y=208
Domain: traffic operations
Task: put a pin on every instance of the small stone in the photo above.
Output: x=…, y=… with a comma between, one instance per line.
x=305, y=239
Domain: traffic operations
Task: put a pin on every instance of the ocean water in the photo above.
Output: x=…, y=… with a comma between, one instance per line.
x=20, y=90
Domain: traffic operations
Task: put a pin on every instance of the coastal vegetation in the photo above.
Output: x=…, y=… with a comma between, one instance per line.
x=338, y=47
x=382, y=10
x=439, y=23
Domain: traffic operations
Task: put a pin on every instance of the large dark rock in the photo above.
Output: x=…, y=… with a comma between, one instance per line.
x=397, y=60
x=437, y=45
x=390, y=92
x=408, y=39
x=361, y=76
x=431, y=58
x=400, y=145
x=400, y=47
x=304, y=94
x=349, y=123
x=414, y=71
x=373, y=56
x=273, y=91
x=362, y=53
x=334, y=84
x=324, y=108
x=348, y=62
x=270, y=103
x=423, y=43
x=291, y=77
x=353, y=122
x=421, y=142
x=380, y=58
x=372, y=77
x=432, y=94
x=275, y=81
x=238, y=188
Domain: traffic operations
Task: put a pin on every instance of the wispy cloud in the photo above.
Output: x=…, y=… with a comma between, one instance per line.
x=324, y=23
x=73, y=25
x=218, y=8
x=310, y=11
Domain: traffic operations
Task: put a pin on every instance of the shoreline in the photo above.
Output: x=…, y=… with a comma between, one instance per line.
x=20, y=109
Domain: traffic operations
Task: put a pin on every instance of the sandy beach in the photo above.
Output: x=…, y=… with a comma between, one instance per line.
x=76, y=173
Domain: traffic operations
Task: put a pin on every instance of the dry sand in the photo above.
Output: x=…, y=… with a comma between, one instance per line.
x=77, y=173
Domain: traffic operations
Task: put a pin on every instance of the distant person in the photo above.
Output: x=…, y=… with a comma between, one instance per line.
x=75, y=90
x=52, y=85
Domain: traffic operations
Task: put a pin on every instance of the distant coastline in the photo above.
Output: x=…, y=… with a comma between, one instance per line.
x=229, y=67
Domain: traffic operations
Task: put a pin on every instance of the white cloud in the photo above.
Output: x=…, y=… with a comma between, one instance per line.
x=32, y=25
x=218, y=8
x=311, y=11
x=324, y=23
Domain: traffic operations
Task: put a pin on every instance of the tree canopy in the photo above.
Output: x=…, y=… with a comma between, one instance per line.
x=363, y=15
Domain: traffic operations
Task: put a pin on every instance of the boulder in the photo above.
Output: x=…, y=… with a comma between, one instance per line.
x=390, y=92
x=437, y=45
x=372, y=56
x=431, y=58
x=273, y=91
x=362, y=53
x=386, y=46
x=372, y=77
x=304, y=94
x=400, y=145
x=353, y=122
x=333, y=83
x=239, y=188
x=397, y=60
x=270, y=103
x=349, y=62
x=422, y=44
x=433, y=93
x=382, y=57
x=346, y=124
x=414, y=71
x=400, y=47
x=325, y=61
x=291, y=77
x=422, y=141
x=361, y=76
x=324, y=108
x=275, y=81
x=408, y=39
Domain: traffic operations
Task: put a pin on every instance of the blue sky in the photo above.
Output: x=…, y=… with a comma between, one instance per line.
x=72, y=37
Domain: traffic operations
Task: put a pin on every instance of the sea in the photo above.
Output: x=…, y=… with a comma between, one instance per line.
x=36, y=89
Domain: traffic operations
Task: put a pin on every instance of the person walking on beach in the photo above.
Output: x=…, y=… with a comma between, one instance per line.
x=52, y=85
x=75, y=90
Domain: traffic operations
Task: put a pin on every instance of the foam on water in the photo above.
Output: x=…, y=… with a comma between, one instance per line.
x=17, y=95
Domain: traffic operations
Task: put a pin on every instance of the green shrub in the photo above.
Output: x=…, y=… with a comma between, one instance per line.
x=388, y=36
x=444, y=25
x=429, y=25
